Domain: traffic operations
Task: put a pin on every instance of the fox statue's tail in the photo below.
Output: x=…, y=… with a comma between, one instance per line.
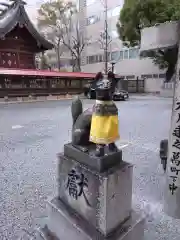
x=76, y=109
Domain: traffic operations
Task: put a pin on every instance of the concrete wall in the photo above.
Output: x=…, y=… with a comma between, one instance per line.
x=135, y=67
x=167, y=90
x=153, y=85
x=158, y=86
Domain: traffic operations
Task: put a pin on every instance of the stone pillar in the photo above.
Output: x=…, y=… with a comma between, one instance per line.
x=172, y=186
x=94, y=199
x=163, y=36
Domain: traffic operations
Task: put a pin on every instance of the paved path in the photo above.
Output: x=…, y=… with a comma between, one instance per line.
x=32, y=133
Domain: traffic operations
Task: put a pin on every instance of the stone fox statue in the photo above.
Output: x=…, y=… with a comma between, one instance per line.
x=104, y=124
x=82, y=122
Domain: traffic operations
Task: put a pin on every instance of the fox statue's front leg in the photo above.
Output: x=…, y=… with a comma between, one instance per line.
x=100, y=150
x=113, y=147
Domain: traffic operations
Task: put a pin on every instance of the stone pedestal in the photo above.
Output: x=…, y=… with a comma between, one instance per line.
x=93, y=204
x=99, y=164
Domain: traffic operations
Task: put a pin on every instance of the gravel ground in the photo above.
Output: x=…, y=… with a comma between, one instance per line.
x=31, y=134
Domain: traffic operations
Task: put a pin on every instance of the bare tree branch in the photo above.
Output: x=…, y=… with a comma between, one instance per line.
x=61, y=19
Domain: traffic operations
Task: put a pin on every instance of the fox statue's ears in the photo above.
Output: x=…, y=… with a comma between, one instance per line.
x=98, y=76
x=111, y=75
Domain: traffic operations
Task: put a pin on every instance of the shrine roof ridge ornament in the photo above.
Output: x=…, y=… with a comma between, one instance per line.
x=156, y=37
x=18, y=2
x=15, y=15
x=9, y=5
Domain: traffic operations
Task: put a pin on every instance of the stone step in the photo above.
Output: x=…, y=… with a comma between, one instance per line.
x=68, y=226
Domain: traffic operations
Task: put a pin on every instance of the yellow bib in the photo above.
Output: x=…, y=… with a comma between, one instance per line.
x=104, y=129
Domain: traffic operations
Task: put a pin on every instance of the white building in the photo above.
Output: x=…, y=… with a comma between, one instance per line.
x=128, y=62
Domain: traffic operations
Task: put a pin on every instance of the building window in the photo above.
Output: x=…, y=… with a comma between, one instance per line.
x=133, y=53
x=146, y=76
x=101, y=58
x=155, y=75
x=109, y=13
x=109, y=56
x=97, y=58
x=115, y=56
x=77, y=5
x=92, y=20
x=121, y=55
x=116, y=11
x=126, y=54
x=89, y=2
x=92, y=59
x=162, y=75
x=114, y=34
x=130, y=77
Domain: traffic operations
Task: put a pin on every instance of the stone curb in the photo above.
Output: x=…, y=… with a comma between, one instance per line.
x=131, y=96
x=35, y=100
x=148, y=96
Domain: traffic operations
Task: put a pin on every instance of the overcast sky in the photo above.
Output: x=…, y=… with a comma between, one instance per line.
x=32, y=6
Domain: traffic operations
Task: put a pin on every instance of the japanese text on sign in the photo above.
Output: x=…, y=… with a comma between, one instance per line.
x=76, y=185
x=175, y=152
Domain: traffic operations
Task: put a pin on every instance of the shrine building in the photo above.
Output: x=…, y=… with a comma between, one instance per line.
x=19, y=39
x=19, y=44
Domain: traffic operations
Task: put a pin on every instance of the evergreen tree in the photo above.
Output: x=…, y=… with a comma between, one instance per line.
x=136, y=15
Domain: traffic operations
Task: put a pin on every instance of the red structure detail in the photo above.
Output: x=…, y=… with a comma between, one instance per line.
x=19, y=42
x=44, y=73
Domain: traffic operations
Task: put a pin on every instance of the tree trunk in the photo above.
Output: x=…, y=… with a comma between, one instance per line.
x=79, y=64
x=73, y=63
x=58, y=58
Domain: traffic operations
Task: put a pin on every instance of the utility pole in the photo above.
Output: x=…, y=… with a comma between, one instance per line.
x=106, y=39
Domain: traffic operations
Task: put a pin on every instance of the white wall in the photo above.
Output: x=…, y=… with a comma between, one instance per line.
x=167, y=90
x=153, y=85
x=135, y=67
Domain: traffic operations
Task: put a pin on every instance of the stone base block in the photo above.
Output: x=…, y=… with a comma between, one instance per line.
x=64, y=224
x=100, y=164
x=103, y=199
